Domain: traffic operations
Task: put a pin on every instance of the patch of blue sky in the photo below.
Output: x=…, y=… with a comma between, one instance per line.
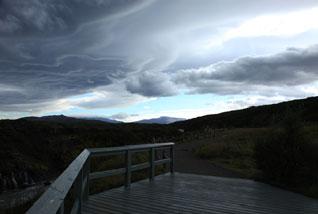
x=162, y=104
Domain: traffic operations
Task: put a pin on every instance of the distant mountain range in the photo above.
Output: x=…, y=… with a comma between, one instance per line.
x=63, y=118
x=259, y=116
x=103, y=119
x=43, y=145
x=161, y=120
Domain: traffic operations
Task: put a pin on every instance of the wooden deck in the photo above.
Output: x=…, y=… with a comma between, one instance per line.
x=189, y=193
x=169, y=193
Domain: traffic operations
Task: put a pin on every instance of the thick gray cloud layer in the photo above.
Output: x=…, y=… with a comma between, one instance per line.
x=132, y=49
x=151, y=85
x=44, y=53
x=291, y=68
x=71, y=75
x=54, y=17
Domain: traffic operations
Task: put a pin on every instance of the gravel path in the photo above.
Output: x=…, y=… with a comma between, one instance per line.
x=186, y=162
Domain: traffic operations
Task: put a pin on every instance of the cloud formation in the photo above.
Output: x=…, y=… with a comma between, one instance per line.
x=294, y=67
x=122, y=116
x=69, y=76
x=54, y=17
x=151, y=85
x=57, y=54
x=44, y=51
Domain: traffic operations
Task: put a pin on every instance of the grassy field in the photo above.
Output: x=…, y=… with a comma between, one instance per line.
x=44, y=147
x=235, y=149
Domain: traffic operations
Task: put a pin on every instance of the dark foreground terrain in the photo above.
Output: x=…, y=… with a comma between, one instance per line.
x=35, y=150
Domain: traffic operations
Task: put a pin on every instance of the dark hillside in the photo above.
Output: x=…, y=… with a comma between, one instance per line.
x=253, y=117
x=43, y=148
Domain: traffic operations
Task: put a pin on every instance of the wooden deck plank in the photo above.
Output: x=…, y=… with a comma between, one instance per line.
x=189, y=193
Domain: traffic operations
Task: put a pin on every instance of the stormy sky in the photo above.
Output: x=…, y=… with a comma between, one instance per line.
x=136, y=59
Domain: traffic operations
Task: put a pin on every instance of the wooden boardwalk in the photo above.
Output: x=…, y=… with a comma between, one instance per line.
x=169, y=193
x=189, y=193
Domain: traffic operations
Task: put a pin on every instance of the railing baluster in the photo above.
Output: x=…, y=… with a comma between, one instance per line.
x=79, y=191
x=61, y=209
x=86, y=177
x=152, y=164
x=128, y=169
x=172, y=159
x=164, y=156
x=78, y=175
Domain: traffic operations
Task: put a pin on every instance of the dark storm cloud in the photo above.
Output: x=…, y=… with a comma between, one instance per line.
x=121, y=51
x=151, y=85
x=44, y=50
x=294, y=67
x=71, y=75
x=54, y=17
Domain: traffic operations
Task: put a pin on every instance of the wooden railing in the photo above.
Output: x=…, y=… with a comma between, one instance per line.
x=78, y=175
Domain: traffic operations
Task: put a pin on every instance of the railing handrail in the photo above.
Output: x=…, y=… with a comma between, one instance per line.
x=110, y=150
x=53, y=198
x=78, y=174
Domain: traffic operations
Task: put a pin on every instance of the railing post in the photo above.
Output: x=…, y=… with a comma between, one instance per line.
x=128, y=169
x=152, y=164
x=61, y=209
x=172, y=159
x=164, y=156
x=86, y=179
x=79, y=191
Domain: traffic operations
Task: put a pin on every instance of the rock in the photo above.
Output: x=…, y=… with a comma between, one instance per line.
x=5, y=183
x=25, y=179
x=14, y=182
x=1, y=183
x=31, y=181
x=20, y=179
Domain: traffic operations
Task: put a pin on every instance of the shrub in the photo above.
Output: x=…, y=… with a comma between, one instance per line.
x=224, y=150
x=287, y=157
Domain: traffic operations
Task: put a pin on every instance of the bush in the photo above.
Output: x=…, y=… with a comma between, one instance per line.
x=287, y=157
x=224, y=150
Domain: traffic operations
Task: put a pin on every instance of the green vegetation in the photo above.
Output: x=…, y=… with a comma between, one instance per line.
x=249, y=141
x=284, y=155
x=265, y=143
x=288, y=157
x=233, y=149
x=21, y=208
x=254, y=117
x=45, y=148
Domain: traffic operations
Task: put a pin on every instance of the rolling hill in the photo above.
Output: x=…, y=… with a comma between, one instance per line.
x=44, y=146
x=260, y=116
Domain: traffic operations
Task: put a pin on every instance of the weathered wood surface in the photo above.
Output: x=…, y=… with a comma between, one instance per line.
x=122, y=149
x=53, y=198
x=188, y=193
x=78, y=175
